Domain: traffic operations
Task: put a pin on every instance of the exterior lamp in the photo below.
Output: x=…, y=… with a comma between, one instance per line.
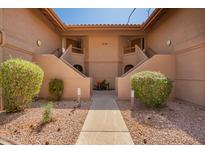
x=39, y=43
x=132, y=99
x=78, y=95
x=168, y=43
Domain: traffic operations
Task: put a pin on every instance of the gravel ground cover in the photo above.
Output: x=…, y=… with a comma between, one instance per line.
x=176, y=123
x=25, y=127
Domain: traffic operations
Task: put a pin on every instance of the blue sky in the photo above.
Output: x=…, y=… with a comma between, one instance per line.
x=102, y=15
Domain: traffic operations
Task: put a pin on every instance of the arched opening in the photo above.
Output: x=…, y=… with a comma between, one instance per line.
x=128, y=67
x=78, y=67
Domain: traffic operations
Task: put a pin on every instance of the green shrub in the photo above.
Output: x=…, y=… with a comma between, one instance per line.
x=56, y=88
x=21, y=81
x=47, y=112
x=151, y=88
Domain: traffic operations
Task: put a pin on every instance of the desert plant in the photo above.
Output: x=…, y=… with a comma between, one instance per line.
x=47, y=112
x=56, y=88
x=151, y=88
x=21, y=81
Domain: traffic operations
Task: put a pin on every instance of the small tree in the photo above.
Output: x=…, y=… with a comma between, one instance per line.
x=56, y=88
x=21, y=81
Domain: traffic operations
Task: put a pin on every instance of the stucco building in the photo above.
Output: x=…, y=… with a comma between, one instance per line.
x=171, y=41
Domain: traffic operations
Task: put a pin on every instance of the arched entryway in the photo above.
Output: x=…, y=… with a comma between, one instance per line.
x=128, y=67
x=78, y=67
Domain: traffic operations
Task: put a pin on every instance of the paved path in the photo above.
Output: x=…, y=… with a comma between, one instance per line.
x=104, y=123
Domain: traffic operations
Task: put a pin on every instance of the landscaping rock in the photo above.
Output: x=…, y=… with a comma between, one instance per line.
x=174, y=124
x=64, y=129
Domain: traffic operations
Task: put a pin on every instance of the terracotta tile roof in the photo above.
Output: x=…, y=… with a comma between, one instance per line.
x=103, y=25
x=55, y=20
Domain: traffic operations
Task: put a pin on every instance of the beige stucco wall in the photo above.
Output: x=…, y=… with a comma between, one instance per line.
x=103, y=53
x=186, y=30
x=103, y=57
x=129, y=59
x=1, y=29
x=1, y=53
x=133, y=58
x=78, y=59
x=161, y=63
x=55, y=68
x=74, y=58
x=22, y=28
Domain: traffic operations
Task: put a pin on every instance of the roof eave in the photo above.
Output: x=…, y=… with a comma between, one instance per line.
x=55, y=20
x=151, y=18
x=103, y=27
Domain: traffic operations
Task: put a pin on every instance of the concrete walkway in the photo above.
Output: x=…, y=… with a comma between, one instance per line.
x=104, y=123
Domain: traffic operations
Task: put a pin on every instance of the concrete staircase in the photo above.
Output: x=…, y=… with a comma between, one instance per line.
x=142, y=56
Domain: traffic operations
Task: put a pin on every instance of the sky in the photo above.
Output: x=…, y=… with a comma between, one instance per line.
x=102, y=15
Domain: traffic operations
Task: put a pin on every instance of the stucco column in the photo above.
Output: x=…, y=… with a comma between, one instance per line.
x=1, y=60
x=63, y=43
x=1, y=51
x=1, y=35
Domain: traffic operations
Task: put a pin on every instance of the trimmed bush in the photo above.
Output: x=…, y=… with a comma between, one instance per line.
x=21, y=81
x=151, y=88
x=56, y=88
